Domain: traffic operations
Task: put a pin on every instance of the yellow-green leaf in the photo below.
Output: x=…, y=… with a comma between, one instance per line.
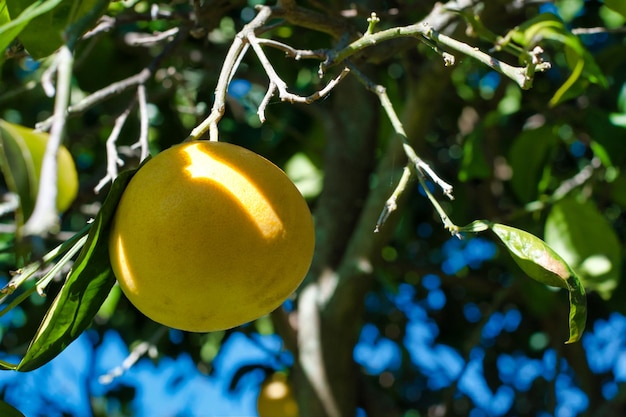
x=540, y=262
x=587, y=242
x=21, y=155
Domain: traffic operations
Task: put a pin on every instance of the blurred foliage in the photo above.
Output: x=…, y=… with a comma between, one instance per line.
x=448, y=328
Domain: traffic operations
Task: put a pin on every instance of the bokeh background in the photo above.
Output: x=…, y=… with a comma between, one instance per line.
x=449, y=326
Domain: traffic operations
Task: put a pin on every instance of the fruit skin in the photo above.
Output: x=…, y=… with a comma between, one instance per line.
x=208, y=236
x=67, y=178
x=276, y=398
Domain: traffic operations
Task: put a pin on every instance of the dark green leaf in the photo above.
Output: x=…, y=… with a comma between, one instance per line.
x=12, y=28
x=86, y=288
x=618, y=6
x=7, y=410
x=587, y=242
x=544, y=265
x=618, y=191
x=18, y=170
x=529, y=158
x=45, y=33
x=474, y=164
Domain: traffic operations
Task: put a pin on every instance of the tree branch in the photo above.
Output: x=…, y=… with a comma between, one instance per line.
x=44, y=217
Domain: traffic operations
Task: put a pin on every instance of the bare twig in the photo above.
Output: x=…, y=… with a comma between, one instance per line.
x=105, y=24
x=285, y=95
x=235, y=53
x=244, y=39
x=44, y=216
x=144, y=39
x=424, y=31
x=142, y=143
x=421, y=168
x=596, y=30
x=118, y=87
x=113, y=160
x=47, y=79
x=577, y=180
x=391, y=204
x=297, y=54
x=138, y=351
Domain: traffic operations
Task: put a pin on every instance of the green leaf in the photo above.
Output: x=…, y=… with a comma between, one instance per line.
x=530, y=157
x=304, y=174
x=569, y=9
x=540, y=262
x=474, y=164
x=19, y=173
x=587, y=242
x=4, y=13
x=475, y=226
x=21, y=156
x=85, y=290
x=7, y=410
x=618, y=191
x=45, y=33
x=9, y=30
x=584, y=70
x=549, y=27
x=618, y=6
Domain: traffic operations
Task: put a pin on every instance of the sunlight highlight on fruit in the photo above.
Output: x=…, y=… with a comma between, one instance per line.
x=249, y=197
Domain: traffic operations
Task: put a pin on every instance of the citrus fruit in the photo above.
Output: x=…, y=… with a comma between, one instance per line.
x=32, y=146
x=276, y=398
x=208, y=236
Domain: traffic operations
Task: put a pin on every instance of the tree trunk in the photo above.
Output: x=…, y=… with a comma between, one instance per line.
x=331, y=301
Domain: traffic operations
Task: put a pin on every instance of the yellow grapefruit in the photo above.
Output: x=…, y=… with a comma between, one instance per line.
x=208, y=236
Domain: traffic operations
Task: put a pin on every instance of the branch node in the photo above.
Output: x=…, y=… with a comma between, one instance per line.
x=372, y=20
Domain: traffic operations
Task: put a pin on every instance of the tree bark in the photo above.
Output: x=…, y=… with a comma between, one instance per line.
x=331, y=301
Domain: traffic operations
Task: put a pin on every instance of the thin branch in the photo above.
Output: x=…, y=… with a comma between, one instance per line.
x=596, y=30
x=105, y=24
x=244, y=39
x=138, y=351
x=44, y=216
x=521, y=75
x=47, y=79
x=391, y=204
x=421, y=167
x=143, y=121
x=113, y=160
x=144, y=39
x=271, y=90
x=101, y=95
x=235, y=53
x=371, y=39
x=118, y=87
x=281, y=85
x=30, y=270
x=297, y=54
x=424, y=31
x=577, y=180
